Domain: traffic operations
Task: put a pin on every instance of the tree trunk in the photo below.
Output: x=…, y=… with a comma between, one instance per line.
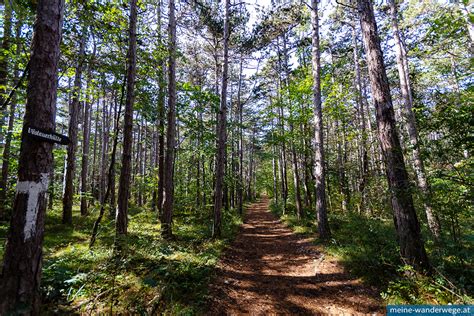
x=406, y=222
x=121, y=220
x=274, y=163
x=104, y=147
x=341, y=170
x=8, y=138
x=240, y=191
x=85, y=154
x=362, y=121
x=73, y=125
x=21, y=275
x=94, y=151
x=284, y=182
x=112, y=172
x=4, y=61
x=296, y=176
x=418, y=166
x=319, y=165
x=168, y=200
x=161, y=137
x=111, y=175
x=222, y=132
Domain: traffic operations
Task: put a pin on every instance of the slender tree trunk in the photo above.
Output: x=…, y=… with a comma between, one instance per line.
x=121, y=221
x=406, y=222
x=362, y=121
x=9, y=132
x=274, y=163
x=307, y=168
x=161, y=137
x=222, y=132
x=418, y=165
x=340, y=168
x=21, y=274
x=94, y=151
x=296, y=176
x=85, y=155
x=4, y=61
x=241, y=160
x=251, y=165
x=283, y=159
x=240, y=186
x=168, y=201
x=275, y=175
x=111, y=175
x=73, y=126
x=112, y=172
x=320, y=172
x=105, y=147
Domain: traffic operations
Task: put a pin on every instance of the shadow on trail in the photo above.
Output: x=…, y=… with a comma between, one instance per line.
x=269, y=269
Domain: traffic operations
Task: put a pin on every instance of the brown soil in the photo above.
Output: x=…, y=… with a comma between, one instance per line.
x=269, y=269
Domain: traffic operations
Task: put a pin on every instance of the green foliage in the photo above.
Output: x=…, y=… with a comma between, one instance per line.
x=418, y=289
x=152, y=276
x=367, y=248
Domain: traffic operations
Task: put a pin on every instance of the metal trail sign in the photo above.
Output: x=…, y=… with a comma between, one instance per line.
x=42, y=135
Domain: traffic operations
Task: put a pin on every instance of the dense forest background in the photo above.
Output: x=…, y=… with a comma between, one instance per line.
x=176, y=121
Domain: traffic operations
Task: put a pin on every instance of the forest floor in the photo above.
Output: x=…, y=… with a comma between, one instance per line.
x=270, y=269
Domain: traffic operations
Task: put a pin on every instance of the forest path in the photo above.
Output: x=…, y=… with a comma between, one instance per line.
x=268, y=269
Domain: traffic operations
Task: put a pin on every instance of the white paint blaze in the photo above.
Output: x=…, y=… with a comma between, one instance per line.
x=33, y=190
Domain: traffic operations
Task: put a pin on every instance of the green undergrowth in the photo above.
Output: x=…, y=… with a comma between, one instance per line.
x=151, y=276
x=367, y=248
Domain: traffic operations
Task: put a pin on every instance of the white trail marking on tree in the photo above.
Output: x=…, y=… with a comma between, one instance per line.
x=33, y=190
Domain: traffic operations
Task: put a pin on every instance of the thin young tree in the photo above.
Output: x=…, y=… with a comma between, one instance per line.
x=362, y=119
x=85, y=152
x=405, y=87
x=5, y=61
x=412, y=248
x=161, y=121
x=319, y=163
x=9, y=132
x=222, y=132
x=73, y=126
x=168, y=200
x=121, y=221
x=21, y=274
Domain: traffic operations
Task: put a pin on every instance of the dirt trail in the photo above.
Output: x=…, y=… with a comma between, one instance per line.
x=270, y=270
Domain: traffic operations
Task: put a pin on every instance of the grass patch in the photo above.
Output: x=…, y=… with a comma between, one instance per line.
x=153, y=276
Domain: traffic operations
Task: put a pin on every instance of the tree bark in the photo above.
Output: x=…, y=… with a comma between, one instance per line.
x=161, y=121
x=73, y=125
x=21, y=274
x=411, y=244
x=161, y=138
x=94, y=151
x=168, y=200
x=240, y=191
x=8, y=137
x=362, y=121
x=4, y=60
x=121, y=220
x=418, y=165
x=222, y=132
x=104, y=147
x=319, y=163
x=85, y=154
